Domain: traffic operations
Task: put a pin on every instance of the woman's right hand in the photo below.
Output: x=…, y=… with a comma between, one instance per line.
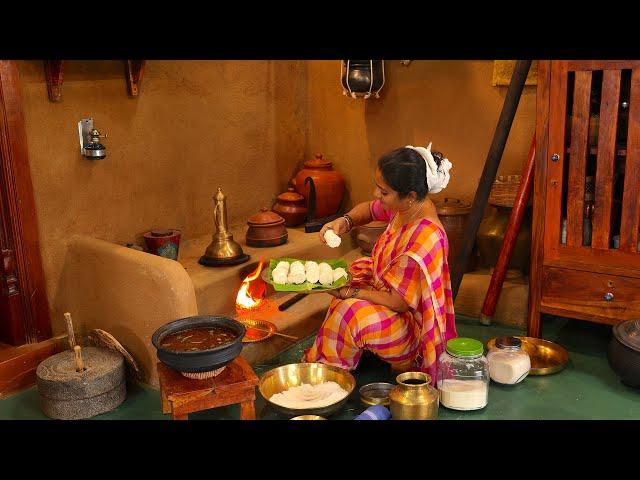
x=339, y=227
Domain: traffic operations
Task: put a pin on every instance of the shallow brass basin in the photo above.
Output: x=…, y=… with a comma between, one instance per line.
x=282, y=378
x=546, y=357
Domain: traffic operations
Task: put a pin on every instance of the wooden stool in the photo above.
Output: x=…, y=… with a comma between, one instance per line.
x=235, y=384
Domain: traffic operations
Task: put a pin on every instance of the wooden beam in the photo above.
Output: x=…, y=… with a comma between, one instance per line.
x=135, y=71
x=54, y=74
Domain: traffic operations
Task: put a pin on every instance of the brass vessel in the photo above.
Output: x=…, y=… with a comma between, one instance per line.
x=223, y=249
x=414, y=398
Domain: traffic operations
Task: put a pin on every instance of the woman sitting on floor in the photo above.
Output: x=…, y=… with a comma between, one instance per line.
x=399, y=303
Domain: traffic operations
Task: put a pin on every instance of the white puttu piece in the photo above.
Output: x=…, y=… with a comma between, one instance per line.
x=332, y=239
x=283, y=264
x=279, y=275
x=296, y=266
x=296, y=276
x=326, y=273
x=339, y=273
x=313, y=271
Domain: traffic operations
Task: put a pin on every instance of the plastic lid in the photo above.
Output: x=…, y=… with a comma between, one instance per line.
x=464, y=347
x=511, y=343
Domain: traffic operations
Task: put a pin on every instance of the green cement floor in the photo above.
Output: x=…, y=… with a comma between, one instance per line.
x=587, y=389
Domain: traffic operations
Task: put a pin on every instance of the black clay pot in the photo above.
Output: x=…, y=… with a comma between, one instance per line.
x=624, y=352
x=202, y=360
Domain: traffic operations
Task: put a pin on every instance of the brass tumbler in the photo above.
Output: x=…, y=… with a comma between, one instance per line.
x=223, y=249
x=414, y=398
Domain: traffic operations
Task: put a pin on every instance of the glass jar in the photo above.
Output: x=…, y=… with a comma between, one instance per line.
x=508, y=362
x=463, y=375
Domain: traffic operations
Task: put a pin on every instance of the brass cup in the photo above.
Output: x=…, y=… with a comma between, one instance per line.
x=414, y=398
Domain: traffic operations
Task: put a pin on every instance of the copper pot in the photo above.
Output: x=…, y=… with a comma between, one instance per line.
x=368, y=235
x=290, y=205
x=453, y=214
x=329, y=185
x=266, y=229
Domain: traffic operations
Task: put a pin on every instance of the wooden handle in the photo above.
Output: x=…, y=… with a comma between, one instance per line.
x=72, y=338
x=78, y=353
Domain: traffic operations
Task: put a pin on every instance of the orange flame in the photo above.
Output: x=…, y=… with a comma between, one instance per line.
x=252, y=290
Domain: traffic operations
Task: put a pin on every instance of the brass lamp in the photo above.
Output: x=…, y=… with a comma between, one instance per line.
x=223, y=249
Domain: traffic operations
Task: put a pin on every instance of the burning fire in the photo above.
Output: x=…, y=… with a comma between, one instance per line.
x=252, y=290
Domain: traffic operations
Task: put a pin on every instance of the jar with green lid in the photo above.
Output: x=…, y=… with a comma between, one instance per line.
x=463, y=375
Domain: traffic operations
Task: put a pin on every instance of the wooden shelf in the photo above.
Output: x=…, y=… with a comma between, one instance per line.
x=54, y=75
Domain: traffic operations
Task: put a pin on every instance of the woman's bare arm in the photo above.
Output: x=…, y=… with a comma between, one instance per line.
x=360, y=214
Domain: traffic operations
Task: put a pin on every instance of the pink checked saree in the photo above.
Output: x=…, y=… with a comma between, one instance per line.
x=413, y=261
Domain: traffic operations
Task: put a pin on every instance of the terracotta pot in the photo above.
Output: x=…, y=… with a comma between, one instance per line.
x=368, y=235
x=453, y=214
x=163, y=242
x=328, y=182
x=290, y=205
x=266, y=229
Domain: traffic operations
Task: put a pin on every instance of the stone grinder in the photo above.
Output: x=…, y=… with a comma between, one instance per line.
x=223, y=249
x=82, y=382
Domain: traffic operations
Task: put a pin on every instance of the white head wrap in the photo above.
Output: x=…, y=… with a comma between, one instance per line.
x=437, y=176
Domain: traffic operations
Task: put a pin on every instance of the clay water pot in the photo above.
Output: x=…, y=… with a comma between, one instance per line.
x=266, y=229
x=329, y=185
x=290, y=205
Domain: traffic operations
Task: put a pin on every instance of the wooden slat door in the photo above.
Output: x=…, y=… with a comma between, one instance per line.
x=566, y=243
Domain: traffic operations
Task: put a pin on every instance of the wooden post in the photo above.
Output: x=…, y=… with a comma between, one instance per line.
x=489, y=173
x=510, y=237
x=72, y=338
x=77, y=350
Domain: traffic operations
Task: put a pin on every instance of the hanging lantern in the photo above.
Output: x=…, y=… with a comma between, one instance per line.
x=362, y=78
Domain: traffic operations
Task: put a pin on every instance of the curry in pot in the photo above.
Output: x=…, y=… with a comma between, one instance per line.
x=195, y=339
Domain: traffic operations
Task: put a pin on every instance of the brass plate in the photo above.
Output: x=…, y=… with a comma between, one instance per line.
x=286, y=376
x=546, y=357
x=257, y=330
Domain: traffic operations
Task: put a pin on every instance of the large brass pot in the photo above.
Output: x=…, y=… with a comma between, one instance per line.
x=414, y=398
x=491, y=235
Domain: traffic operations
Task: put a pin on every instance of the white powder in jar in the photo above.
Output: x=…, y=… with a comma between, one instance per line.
x=508, y=368
x=310, y=396
x=463, y=394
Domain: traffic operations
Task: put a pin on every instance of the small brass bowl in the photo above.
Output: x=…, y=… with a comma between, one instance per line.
x=282, y=378
x=308, y=417
x=376, y=393
x=546, y=357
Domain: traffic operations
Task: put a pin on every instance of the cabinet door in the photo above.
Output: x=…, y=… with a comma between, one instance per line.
x=592, y=212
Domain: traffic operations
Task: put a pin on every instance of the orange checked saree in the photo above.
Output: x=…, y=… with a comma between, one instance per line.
x=413, y=261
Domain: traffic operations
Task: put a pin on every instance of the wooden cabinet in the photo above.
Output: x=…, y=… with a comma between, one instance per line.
x=585, y=262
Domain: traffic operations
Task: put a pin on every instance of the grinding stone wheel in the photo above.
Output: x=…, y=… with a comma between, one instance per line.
x=69, y=395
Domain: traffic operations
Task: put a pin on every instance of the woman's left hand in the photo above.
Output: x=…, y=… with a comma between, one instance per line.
x=338, y=293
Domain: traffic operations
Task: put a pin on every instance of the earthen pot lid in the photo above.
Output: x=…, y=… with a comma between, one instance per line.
x=452, y=206
x=265, y=218
x=318, y=162
x=291, y=196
